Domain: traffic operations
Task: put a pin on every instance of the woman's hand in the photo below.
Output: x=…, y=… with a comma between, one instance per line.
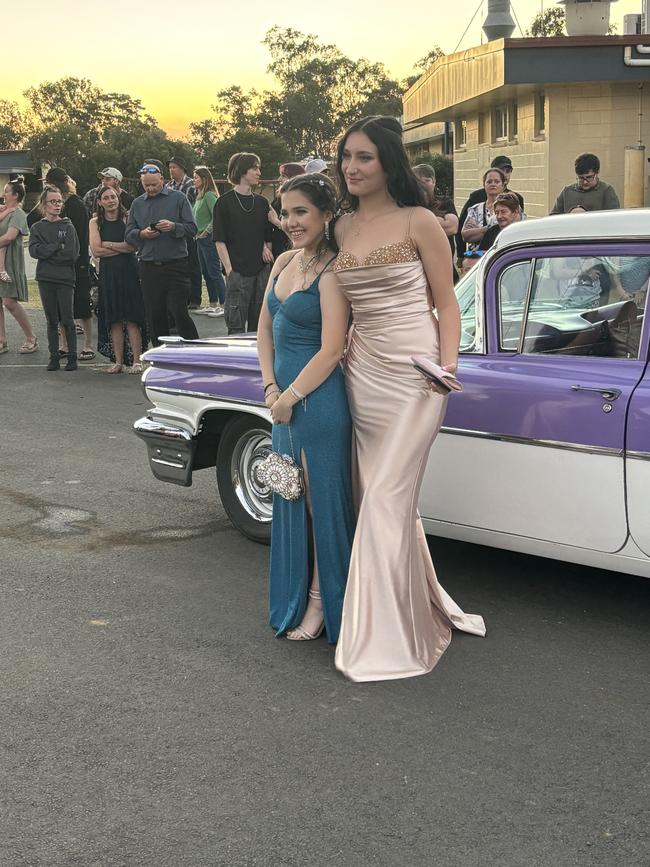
x=271, y=397
x=281, y=410
x=451, y=368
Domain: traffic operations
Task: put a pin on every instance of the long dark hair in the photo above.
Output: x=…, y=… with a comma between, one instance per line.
x=122, y=213
x=321, y=192
x=386, y=134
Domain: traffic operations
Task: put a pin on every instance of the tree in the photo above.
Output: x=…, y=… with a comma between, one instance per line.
x=78, y=102
x=443, y=167
x=320, y=92
x=422, y=65
x=550, y=22
x=269, y=148
x=13, y=125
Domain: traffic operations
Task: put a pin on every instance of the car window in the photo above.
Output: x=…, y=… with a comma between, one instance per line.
x=586, y=305
x=513, y=292
x=466, y=294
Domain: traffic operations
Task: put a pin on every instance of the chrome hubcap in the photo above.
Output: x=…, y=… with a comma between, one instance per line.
x=256, y=498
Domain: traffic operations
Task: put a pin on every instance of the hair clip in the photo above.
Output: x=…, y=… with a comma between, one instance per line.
x=321, y=183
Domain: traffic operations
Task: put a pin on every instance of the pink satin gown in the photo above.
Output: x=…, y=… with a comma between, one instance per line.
x=397, y=619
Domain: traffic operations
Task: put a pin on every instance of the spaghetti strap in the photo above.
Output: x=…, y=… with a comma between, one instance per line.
x=408, y=225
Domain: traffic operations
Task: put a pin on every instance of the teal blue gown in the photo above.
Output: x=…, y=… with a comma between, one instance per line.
x=321, y=431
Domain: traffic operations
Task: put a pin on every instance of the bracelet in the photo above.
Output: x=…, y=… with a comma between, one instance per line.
x=296, y=393
x=268, y=385
x=274, y=391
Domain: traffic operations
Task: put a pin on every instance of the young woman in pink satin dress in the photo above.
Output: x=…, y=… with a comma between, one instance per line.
x=394, y=265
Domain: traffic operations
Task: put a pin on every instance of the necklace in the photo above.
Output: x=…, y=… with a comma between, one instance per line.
x=306, y=264
x=246, y=210
x=356, y=229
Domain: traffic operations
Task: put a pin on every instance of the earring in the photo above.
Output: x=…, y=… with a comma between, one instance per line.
x=327, y=231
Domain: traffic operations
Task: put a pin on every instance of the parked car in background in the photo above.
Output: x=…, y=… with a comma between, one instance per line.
x=547, y=450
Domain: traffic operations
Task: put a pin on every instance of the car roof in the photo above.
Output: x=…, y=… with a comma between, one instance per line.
x=604, y=225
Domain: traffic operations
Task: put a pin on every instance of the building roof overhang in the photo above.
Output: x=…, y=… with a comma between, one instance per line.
x=475, y=79
x=16, y=162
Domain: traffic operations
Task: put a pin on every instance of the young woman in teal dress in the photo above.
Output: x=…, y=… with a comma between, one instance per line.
x=301, y=337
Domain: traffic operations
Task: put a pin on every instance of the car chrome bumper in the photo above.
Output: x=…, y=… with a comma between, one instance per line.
x=171, y=450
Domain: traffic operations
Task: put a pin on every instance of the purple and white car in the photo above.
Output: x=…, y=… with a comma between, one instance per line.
x=547, y=450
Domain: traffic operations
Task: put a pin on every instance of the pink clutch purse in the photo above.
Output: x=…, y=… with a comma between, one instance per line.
x=435, y=373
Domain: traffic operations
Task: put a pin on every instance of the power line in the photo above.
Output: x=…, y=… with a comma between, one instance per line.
x=478, y=9
x=512, y=6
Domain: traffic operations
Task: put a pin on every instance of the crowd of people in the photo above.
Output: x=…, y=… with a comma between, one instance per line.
x=149, y=255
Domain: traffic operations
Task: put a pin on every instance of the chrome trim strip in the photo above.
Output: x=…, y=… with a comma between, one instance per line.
x=638, y=456
x=148, y=427
x=237, y=400
x=174, y=464
x=529, y=441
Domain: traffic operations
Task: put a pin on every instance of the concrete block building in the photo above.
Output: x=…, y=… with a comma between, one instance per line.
x=541, y=101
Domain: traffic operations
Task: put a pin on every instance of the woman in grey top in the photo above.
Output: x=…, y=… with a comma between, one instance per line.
x=13, y=228
x=55, y=244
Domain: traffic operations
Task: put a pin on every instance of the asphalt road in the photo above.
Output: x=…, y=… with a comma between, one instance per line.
x=149, y=717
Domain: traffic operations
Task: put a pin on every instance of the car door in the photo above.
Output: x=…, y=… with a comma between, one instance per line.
x=535, y=445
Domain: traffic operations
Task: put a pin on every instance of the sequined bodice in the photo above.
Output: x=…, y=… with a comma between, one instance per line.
x=388, y=254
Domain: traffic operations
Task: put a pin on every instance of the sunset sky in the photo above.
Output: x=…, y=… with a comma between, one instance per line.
x=175, y=63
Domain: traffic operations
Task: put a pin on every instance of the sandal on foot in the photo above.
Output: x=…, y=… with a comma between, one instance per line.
x=63, y=353
x=300, y=633
x=78, y=329
x=135, y=368
x=5, y=277
x=3, y=347
x=29, y=346
x=86, y=355
x=116, y=368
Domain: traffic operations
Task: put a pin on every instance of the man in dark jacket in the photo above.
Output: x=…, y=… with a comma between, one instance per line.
x=504, y=164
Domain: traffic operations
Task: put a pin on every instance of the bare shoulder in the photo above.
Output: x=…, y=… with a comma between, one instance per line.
x=341, y=225
x=422, y=219
x=282, y=261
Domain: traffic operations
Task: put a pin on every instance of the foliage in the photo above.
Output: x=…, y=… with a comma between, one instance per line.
x=78, y=102
x=423, y=64
x=550, y=22
x=270, y=149
x=13, y=125
x=443, y=167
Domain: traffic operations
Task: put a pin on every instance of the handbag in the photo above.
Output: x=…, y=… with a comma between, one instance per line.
x=436, y=374
x=282, y=475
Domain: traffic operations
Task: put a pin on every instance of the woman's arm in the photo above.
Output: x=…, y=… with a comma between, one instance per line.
x=97, y=247
x=335, y=311
x=39, y=248
x=449, y=224
x=472, y=231
x=435, y=254
x=9, y=236
x=265, y=350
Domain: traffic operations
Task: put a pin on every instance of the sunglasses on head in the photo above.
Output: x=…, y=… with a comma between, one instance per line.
x=149, y=170
x=473, y=254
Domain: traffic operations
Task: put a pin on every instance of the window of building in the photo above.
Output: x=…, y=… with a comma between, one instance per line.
x=540, y=115
x=504, y=122
x=460, y=134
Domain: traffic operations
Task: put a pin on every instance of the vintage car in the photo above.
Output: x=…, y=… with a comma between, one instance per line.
x=547, y=450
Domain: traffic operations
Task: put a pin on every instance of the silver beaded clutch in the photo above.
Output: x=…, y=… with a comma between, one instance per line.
x=282, y=475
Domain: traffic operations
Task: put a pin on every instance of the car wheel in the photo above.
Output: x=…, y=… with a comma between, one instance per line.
x=244, y=443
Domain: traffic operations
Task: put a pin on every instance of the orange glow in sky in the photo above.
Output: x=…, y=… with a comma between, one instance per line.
x=176, y=63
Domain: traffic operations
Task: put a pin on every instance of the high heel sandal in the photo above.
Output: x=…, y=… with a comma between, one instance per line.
x=300, y=633
x=5, y=277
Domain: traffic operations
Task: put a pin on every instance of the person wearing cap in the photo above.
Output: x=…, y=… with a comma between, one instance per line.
x=109, y=177
x=160, y=222
x=179, y=180
x=504, y=164
x=316, y=166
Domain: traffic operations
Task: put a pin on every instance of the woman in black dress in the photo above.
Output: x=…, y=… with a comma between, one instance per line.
x=120, y=296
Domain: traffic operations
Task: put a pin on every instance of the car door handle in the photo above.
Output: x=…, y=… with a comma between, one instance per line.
x=607, y=393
